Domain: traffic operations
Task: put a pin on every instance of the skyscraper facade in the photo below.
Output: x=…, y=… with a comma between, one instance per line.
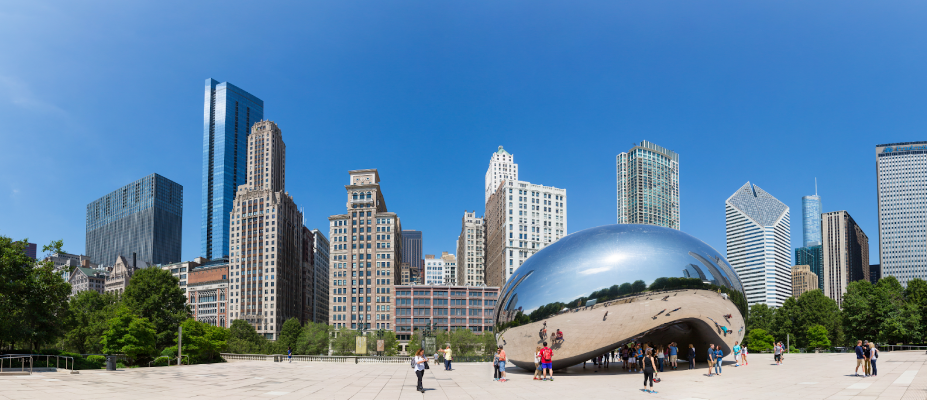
x=229, y=112
x=269, y=259
x=320, y=255
x=845, y=253
x=502, y=167
x=521, y=219
x=412, y=254
x=811, y=220
x=813, y=257
x=758, y=244
x=803, y=280
x=648, y=186
x=144, y=217
x=901, y=170
x=434, y=270
x=365, y=257
x=470, y=251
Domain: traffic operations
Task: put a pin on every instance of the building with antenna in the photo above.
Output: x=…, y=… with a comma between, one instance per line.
x=811, y=253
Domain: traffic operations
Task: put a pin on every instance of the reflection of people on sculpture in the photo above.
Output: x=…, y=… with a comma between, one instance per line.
x=605, y=316
x=559, y=338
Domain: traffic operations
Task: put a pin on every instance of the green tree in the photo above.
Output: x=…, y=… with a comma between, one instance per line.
x=130, y=335
x=313, y=339
x=45, y=306
x=56, y=246
x=814, y=308
x=390, y=343
x=817, y=337
x=760, y=317
x=624, y=289
x=155, y=294
x=916, y=294
x=638, y=286
x=900, y=320
x=489, y=342
x=289, y=335
x=243, y=339
x=344, y=342
x=201, y=342
x=758, y=339
x=415, y=342
x=859, y=316
x=14, y=286
x=88, y=319
x=785, y=320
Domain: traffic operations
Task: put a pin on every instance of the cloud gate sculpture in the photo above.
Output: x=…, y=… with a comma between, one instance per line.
x=612, y=285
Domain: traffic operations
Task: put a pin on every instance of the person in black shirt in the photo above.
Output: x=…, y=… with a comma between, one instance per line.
x=650, y=371
x=867, y=360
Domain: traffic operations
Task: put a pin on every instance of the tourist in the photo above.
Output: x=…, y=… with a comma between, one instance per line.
x=289, y=354
x=874, y=355
x=777, y=353
x=660, y=358
x=719, y=359
x=867, y=358
x=420, y=361
x=436, y=355
x=547, y=358
x=632, y=360
x=691, y=356
x=495, y=365
x=623, y=352
x=537, y=362
x=502, y=365
x=640, y=357
x=559, y=338
x=711, y=359
x=736, y=353
x=447, y=358
x=860, y=356
x=673, y=354
x=743, y=355
x=649, y=371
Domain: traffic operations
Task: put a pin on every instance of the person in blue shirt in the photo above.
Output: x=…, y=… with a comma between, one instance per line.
x=736, y=353
x=859, y=355
x=719, y=355
x=711, y=359
x=289, y=354
x=673, y=353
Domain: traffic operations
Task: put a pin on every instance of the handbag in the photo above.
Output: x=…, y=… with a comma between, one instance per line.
x=426, y=364
x=656, y=380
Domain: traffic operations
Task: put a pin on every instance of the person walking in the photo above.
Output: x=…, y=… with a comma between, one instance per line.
x=743, y=355
x=736, y=353
x=420, y=361
x=711, y=359
x=660, y=358
x=673, y=355
x=537, y=362
x=777, y=353
x=872, y=359
x=495, y=366
x=547, y=359
x=502, y=360
x=860, y=356
x=289, y=354
x=691, y=356
x=719, y=359
x=650, y=371
x=867, y=358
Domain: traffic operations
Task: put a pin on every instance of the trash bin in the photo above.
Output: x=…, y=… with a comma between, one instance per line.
x=110, y=363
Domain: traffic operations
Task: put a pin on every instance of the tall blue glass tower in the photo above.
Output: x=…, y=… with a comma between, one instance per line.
x=811, y=220
x=228, y=115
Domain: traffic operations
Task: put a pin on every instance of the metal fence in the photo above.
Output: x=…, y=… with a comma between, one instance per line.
x=340, y=359
x=50, y=361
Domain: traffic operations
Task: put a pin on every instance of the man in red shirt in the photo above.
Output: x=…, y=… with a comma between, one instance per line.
x=547, y=356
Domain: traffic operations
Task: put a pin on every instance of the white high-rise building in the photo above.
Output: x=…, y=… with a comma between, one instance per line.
x=758, y=244
x=470, y=245
x=450, y=268
x=501, y=168
x=648, y=186
x=434, y=270
x=901, y=170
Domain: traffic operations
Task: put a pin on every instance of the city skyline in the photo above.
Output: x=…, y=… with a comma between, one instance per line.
x=563, y=147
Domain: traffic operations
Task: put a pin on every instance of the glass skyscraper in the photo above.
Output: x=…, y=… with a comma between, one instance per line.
x=811, y=221
x=813, y=257
x=901, y=170
x=648, y=186
x=228, y=115
x=412, y=251
x=143, y=217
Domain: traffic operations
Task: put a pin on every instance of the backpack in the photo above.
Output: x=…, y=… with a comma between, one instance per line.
x=546, y=354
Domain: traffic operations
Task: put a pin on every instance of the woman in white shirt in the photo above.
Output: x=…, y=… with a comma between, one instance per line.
x=420, y=361
x=874, y=355
x=537, y=363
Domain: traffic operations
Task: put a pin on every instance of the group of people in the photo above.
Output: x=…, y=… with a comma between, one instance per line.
x=866, y=356
x=543, y=363
x=558, y=335
x=632, y=356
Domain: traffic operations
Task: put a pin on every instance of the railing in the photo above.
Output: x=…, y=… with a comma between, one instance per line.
x=900, y=347
x=341, y=359
x=247, y=357
x=22, y=362
x=32, y=357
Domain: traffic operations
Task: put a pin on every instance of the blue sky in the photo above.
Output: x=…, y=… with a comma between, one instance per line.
x=94, y=95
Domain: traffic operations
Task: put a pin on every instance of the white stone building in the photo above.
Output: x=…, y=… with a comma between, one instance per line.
x=434, y=270
x=470, y=255
x=501, y=168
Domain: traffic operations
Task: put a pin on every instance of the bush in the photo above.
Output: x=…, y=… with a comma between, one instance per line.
x=96, y=359
x=120, y=365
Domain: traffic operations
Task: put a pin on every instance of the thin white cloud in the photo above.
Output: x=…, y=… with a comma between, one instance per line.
x=18, y=93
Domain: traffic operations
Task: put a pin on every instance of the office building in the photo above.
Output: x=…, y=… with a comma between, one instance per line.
x=875, y=273
x=502, y=167
x=803, y=280
x=208, y=293
x=448, y=307
x=182, y=269
x=434, y=270
x=119, y=275
x=450, y=268
x=470, y=255
x=31, y=250
x=845, y=252
x=320, y=255
x=901, y=170
x=648, y=186
x=365, y=256
x=143, y=217
x=267, y=261
x=63, y=263
x=521, y=219
x=228, y=115
x=758, y=244
x=811, y=220
x=813, y=257
x=85, y=278
x=412, y=254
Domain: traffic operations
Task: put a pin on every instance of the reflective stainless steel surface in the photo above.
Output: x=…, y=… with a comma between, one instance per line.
x=656, y=284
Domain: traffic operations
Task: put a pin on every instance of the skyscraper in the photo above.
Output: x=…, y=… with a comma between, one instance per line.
x=320, y=255
x=269, y=261
x=811, y=220
x=813, y=257
x=845, y=253
x=365, y=256
x=434, y=270
x=143, y=217
x=648, y=186
x=502, y=167
x=450, y=268
x=901, y=170
x=470, y=255
x=227, y=119
x=758, y=244
x=412, y=254
x=803, y=280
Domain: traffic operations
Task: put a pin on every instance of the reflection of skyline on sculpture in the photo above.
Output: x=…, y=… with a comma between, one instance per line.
x=634, y=270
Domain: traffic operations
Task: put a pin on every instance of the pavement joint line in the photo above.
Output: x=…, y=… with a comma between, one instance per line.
x=906, y=378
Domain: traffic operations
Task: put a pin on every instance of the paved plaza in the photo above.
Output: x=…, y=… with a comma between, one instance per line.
x=803, y=376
